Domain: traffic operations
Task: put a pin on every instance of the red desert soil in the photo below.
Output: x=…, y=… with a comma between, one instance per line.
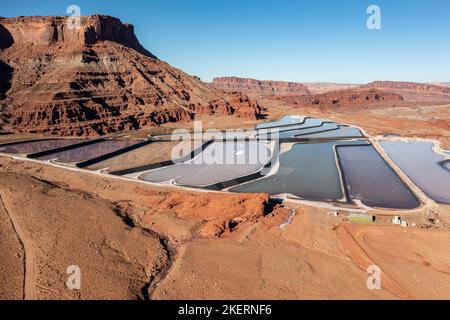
x=96, y=80
x=138, y=241
x=12, y=275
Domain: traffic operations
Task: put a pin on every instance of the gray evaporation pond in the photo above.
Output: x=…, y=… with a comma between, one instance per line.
x=37, y=146
x=370, y=179
x=304, y=133
x=287, y=120
x=89, y=152
x=308, y=171
x=289, y=131
x=339, y=132
x=220, y=162
x=423, y=166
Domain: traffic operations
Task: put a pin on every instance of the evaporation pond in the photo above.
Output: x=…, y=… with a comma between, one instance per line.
x=30, y=147
x=146, y=155
x=220, y=162
x=370, y=179
x=422, y=165
x=302, y=133
x=290, y=130
x=287, y=120
x=307, y=171
x=340, y=132
x=90, y=151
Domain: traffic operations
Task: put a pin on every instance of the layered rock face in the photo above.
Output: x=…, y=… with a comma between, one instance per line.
x=344, y=98
x=413, y=86
x=258, y=87
x=413, y=91
x=96, y=80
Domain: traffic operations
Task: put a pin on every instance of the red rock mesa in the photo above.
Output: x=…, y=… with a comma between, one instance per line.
x=254, y=87
x=96, y=80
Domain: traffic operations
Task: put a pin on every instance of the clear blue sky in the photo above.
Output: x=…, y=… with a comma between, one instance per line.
x=294, y=40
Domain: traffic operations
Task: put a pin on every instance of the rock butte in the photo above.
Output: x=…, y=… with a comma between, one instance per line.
x=95, y=80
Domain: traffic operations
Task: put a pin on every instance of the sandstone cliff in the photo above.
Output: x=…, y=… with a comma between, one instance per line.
x=413, y=91
x=96, y=80
x=344, y=98
x=258, y=87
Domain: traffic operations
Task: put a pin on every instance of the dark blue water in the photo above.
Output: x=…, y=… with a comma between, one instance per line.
x=371, y=180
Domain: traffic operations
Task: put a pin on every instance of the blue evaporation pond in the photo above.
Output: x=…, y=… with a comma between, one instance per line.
x=287, y=120
x=422, y=165
x=289, y=131
x=307, y=171
x=372, y=181
x=304, y=133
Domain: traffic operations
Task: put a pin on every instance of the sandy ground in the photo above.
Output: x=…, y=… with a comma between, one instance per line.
x=68, y=227
x=317, y=256
x=135, y=241
x=12, y=259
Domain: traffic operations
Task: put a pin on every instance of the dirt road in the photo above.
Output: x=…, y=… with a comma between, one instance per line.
x=30, y=255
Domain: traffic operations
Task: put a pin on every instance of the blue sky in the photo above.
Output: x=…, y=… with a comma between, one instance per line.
x=293, y=40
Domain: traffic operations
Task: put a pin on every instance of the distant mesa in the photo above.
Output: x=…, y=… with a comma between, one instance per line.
x=411, y=86
x=413, y=91
x=253, y=87
x=97, y=80
x=343, y=98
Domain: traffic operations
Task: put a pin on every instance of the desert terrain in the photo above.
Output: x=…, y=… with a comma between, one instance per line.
x=135, y=240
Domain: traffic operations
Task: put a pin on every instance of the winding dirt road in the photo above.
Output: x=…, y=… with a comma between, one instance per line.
x=30, y=255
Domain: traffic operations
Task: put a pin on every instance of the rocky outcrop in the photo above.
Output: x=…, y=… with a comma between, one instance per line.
x=258, y=87
x=344, y=98
x=96, y=80
x=412, y=86
x=413, y=91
